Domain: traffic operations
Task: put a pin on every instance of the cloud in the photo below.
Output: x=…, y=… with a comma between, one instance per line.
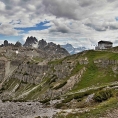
x=80, y=22
x=2, y=6
x=7, y=29
x=59, y=8
x=98, y=25
x=59, y=27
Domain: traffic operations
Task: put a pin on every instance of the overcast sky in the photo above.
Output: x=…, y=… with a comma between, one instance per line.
x=79, y=22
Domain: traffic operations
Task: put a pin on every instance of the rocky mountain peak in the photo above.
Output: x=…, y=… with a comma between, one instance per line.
x=30, y=41
x=6, y=43
x=73, y=50
x=42, y=43
x=18, y=44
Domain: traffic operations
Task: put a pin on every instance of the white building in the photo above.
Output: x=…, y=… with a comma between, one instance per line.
x=104, y=45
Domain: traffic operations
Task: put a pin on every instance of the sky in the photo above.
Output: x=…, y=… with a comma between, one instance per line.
x=78, y=22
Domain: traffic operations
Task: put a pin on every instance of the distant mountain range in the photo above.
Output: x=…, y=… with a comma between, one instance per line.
x=41, y=47
x=73, y=50
x=42, y=44
x=50, y=47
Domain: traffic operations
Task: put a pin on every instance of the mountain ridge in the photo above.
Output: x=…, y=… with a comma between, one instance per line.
x=73, y=50
x=85, y=83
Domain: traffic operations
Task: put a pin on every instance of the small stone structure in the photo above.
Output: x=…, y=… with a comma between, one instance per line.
x=104, y=45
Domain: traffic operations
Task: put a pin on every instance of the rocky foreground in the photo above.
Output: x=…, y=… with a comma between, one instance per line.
x=25, y=110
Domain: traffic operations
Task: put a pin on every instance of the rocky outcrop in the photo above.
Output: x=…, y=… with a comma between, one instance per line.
x=30, y=41
x=18, y=44
x=34, y=73
x=30, y=73
x=68, y=86
x=105, y=62
x=42, y=44
x=51, y=48
x=2, y=70
x=83, y=61
x=5, y=43
x=7, y=68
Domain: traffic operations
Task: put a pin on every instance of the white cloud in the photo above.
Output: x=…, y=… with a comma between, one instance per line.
x=7, y=29
x=2, y=6
x=80, y=22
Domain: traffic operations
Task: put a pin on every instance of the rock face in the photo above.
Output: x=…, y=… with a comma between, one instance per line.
x=104, y=63
x=42, y=44
x=2, y=70
x=30, y=73
x=5, y=43
x=18, y=44
x=50, y=48
x=30, y=41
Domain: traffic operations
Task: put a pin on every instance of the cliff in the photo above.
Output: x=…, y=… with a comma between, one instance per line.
x=73, y=80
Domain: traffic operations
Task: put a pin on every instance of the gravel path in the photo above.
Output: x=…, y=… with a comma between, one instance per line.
x=25, y=110
x=112, y=114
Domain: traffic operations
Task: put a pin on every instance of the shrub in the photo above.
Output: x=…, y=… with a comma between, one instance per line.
x=25, y=73
x=38, y=117
x=45, y=101
x=53, y=79
x=28, y=62
x=102, y=95
x=59, y=105
x=23, y=82
x=68, y=99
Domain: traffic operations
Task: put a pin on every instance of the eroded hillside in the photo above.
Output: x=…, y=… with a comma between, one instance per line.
x=74, y=80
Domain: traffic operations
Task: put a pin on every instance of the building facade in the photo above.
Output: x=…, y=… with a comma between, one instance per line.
x=104, y=45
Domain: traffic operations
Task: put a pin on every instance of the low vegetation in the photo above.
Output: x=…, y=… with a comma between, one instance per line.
x=99, y=80
x=103, y=95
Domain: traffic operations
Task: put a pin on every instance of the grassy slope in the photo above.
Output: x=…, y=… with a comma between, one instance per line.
x=98, y=111
x=95, y=75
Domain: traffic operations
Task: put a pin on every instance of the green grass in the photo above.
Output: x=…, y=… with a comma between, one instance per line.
x=97, y=75
x=23, y=88
x=31, y=95
x=99, y=111
x=37, y=59
x=11, y=84
x=77, y=68
x=55, y=62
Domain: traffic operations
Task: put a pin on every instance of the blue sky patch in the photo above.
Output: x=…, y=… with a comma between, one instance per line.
x=11, y=38
x=116, y=18
x=39, y=26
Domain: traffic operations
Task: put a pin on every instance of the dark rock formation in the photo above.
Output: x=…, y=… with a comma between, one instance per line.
x=51, y=48
x=30, y=41
x=18, y=44
x=6, y=43
x=42, y=43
